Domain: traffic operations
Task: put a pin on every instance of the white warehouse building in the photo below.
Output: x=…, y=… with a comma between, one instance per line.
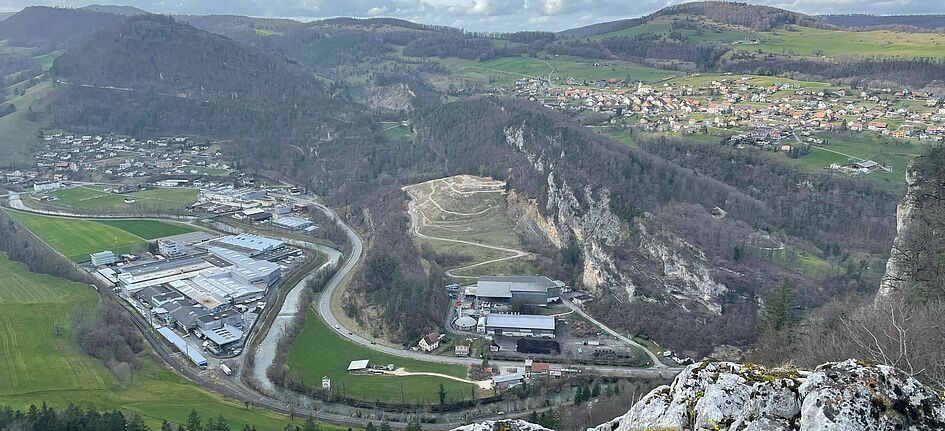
x=517, y=325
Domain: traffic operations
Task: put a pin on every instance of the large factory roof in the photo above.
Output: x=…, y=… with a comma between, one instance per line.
x=225, y=335
x=521, y=321
x=503, y=286
x=251, y=242
x=248, y=266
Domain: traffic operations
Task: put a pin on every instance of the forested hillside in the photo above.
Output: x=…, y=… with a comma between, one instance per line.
x=756, y=17
x=175, y=78
x=54, y=28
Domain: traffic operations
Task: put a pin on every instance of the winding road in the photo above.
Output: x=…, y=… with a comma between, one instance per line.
x=273, y=398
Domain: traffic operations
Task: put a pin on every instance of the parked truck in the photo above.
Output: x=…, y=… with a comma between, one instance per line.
x=226, y=370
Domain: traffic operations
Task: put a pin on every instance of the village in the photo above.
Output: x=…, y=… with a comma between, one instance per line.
x=757, y=112
x=113, y=158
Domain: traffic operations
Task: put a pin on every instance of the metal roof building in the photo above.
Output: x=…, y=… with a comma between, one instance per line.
x=225, y=335
x=247, y=269
x=518, y=289
x=358, y=365
x=255, y=243
x=182, y=345
x=292, y=223
x=518, y=325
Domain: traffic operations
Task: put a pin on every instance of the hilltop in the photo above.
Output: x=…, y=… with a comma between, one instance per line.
x=52, y=28
x=754, y=17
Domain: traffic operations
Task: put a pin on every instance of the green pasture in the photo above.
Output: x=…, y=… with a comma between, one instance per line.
x=147, y=229
x=96, y=199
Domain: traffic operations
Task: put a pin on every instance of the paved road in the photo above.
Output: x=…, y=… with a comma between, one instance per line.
x=235, y=389
x=656, y=361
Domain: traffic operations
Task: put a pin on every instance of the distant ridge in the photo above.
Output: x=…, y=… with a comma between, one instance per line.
x=755, y=17
x=53, y=28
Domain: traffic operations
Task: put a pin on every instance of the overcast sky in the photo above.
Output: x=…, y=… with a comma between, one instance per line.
x=480, y=15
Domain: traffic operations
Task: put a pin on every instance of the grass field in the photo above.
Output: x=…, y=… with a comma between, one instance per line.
x=810, y=41
x=265, y=32
x=147, y=229
x=38, y=366
x=76, y=238
x=803, y=41
x=319, y=352
x=96, y=199
x=396, y=132
x=896, y=153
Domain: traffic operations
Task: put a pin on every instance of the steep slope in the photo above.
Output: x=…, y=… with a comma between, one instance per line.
x=54, y=28
x=915, y=265
x=157, y=54
x=179, y=79
x=650, y=248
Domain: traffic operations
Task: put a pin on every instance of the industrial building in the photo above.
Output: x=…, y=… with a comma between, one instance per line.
x=215, y=281
x=517, y=325
x=231, y=196
x=246, y=269
x=169, y=248
x=182, y=345
x=248, y=243
x=133, y=278
x=222, y=337
x=47, y=186
x=103, y=258
x=294, y=223
x=524, y=290
x=216, y=290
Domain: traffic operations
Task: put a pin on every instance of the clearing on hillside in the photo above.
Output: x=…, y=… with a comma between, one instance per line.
x=464, y=218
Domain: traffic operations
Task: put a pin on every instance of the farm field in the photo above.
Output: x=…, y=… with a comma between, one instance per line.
x=147, y=229
x=76, y=238
x=396, y=132
x=505, y=71
x=808, y=41
x=319, y=352
x=37, y=366
x=897, y=153
x=94, y=198
x=799, y=40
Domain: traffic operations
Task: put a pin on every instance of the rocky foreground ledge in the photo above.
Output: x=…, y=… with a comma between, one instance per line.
x=848, y=395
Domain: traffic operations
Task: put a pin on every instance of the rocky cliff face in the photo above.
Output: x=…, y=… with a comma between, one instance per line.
x=897, y=270
x=836, y=396
x=847, y=395
x=663, y=265
x=509, y=425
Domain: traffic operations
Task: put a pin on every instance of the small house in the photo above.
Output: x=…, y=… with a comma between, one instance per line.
x=429, y=342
